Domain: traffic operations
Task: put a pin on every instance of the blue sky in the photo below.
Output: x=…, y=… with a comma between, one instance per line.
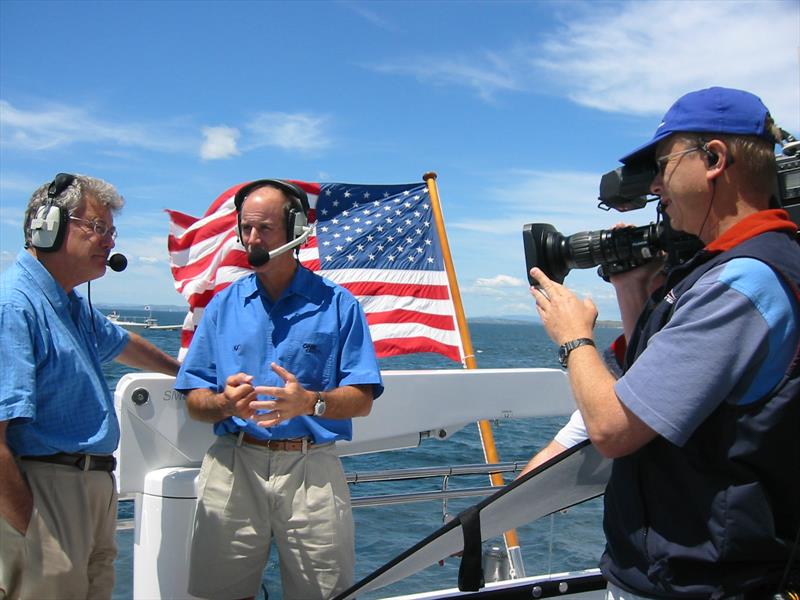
x=519, y=107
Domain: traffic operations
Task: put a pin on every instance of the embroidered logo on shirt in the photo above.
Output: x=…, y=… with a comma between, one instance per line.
x=309, y=347
x=670, y=297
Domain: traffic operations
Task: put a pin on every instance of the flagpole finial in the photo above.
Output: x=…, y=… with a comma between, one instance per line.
x=429, y=175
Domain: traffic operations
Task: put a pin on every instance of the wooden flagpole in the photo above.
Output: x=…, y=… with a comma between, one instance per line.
x=484, y=426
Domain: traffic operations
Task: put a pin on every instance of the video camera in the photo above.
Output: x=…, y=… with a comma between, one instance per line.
x=619, y=250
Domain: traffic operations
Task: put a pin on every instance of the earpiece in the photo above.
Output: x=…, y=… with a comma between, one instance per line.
x=713, y=158
x=49, y=224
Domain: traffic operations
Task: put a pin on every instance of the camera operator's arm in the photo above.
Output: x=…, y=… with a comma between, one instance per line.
x=613, y=429
x=633, y=288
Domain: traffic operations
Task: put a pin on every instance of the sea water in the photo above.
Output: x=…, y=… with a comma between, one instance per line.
x=566, y=541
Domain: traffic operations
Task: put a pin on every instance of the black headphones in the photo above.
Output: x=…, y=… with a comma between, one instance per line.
x=49, y=224
x=296, y=216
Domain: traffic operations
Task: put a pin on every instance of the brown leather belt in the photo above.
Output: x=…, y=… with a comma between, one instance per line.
x=84, y=462
x=297, y=445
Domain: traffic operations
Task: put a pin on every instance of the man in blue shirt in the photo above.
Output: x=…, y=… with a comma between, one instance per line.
x=58, y=427
x=703, y=424
x=281, y=362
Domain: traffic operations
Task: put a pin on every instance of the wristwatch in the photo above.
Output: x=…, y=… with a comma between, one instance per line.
x=565, y=349
x=320, y=406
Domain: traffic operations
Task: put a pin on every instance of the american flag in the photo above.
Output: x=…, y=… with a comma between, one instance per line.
x=378, y=241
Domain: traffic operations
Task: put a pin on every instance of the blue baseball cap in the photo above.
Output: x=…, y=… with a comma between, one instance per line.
x=715, y=110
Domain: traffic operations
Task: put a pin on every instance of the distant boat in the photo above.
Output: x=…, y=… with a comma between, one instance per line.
x=134, y=323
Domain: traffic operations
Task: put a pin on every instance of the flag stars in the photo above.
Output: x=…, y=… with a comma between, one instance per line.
x=335, y=203
x=366, y=195
x=347, y=194
x=339, y=248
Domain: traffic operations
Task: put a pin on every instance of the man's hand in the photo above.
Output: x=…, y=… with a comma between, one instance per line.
x=290, y=401
x=234, y=401
x=563, y=315
x=237, y=396
x=16, y=501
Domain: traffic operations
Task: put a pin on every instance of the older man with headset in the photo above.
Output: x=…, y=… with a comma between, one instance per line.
x=58, y=427
x=704, y=424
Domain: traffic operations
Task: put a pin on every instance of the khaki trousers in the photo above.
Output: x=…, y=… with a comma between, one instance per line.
x=247, y=495
x=69, y=548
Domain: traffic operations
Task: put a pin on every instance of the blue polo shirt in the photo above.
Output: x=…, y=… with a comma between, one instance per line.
x=316, y=330
x=52, y=389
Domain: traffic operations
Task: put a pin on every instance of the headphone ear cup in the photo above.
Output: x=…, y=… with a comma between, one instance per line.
x=300, y=222
x=291, y=218
x=48, y=227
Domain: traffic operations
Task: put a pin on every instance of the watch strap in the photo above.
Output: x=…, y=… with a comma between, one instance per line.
x=565, y=349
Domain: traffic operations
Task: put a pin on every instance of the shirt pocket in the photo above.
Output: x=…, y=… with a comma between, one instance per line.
x=311, y=359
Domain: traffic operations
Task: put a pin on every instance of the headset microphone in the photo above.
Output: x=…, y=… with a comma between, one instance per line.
x=117, y=262
x=259, y=256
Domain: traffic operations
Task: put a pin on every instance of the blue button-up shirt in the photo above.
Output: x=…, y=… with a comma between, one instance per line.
x=316, y=330
x=52, y=389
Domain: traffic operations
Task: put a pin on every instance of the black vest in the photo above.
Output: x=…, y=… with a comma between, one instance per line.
x=720, y=515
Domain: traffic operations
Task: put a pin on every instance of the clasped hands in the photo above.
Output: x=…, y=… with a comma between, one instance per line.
x=241, y=398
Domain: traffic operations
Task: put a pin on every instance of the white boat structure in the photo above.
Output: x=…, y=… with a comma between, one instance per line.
x=161, y=449
x=134, y=323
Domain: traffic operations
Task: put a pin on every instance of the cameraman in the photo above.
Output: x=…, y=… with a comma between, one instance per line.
x=704, y=424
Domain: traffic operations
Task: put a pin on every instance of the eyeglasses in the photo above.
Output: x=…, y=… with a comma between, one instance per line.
x=99, y=226
x=662, y=161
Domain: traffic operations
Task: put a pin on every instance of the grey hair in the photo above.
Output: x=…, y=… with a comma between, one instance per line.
x=73, y=198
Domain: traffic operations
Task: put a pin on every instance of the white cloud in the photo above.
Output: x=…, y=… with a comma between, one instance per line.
x=59, y=125
x=499, y=281
x=613, y=58
x=289, y=131
x=219, y=142
x=565, y=199
x=487, y=74
x=638, y=57
x=360, y=8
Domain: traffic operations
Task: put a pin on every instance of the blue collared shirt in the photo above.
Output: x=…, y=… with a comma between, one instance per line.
x=52, y=389
x=315, y=330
